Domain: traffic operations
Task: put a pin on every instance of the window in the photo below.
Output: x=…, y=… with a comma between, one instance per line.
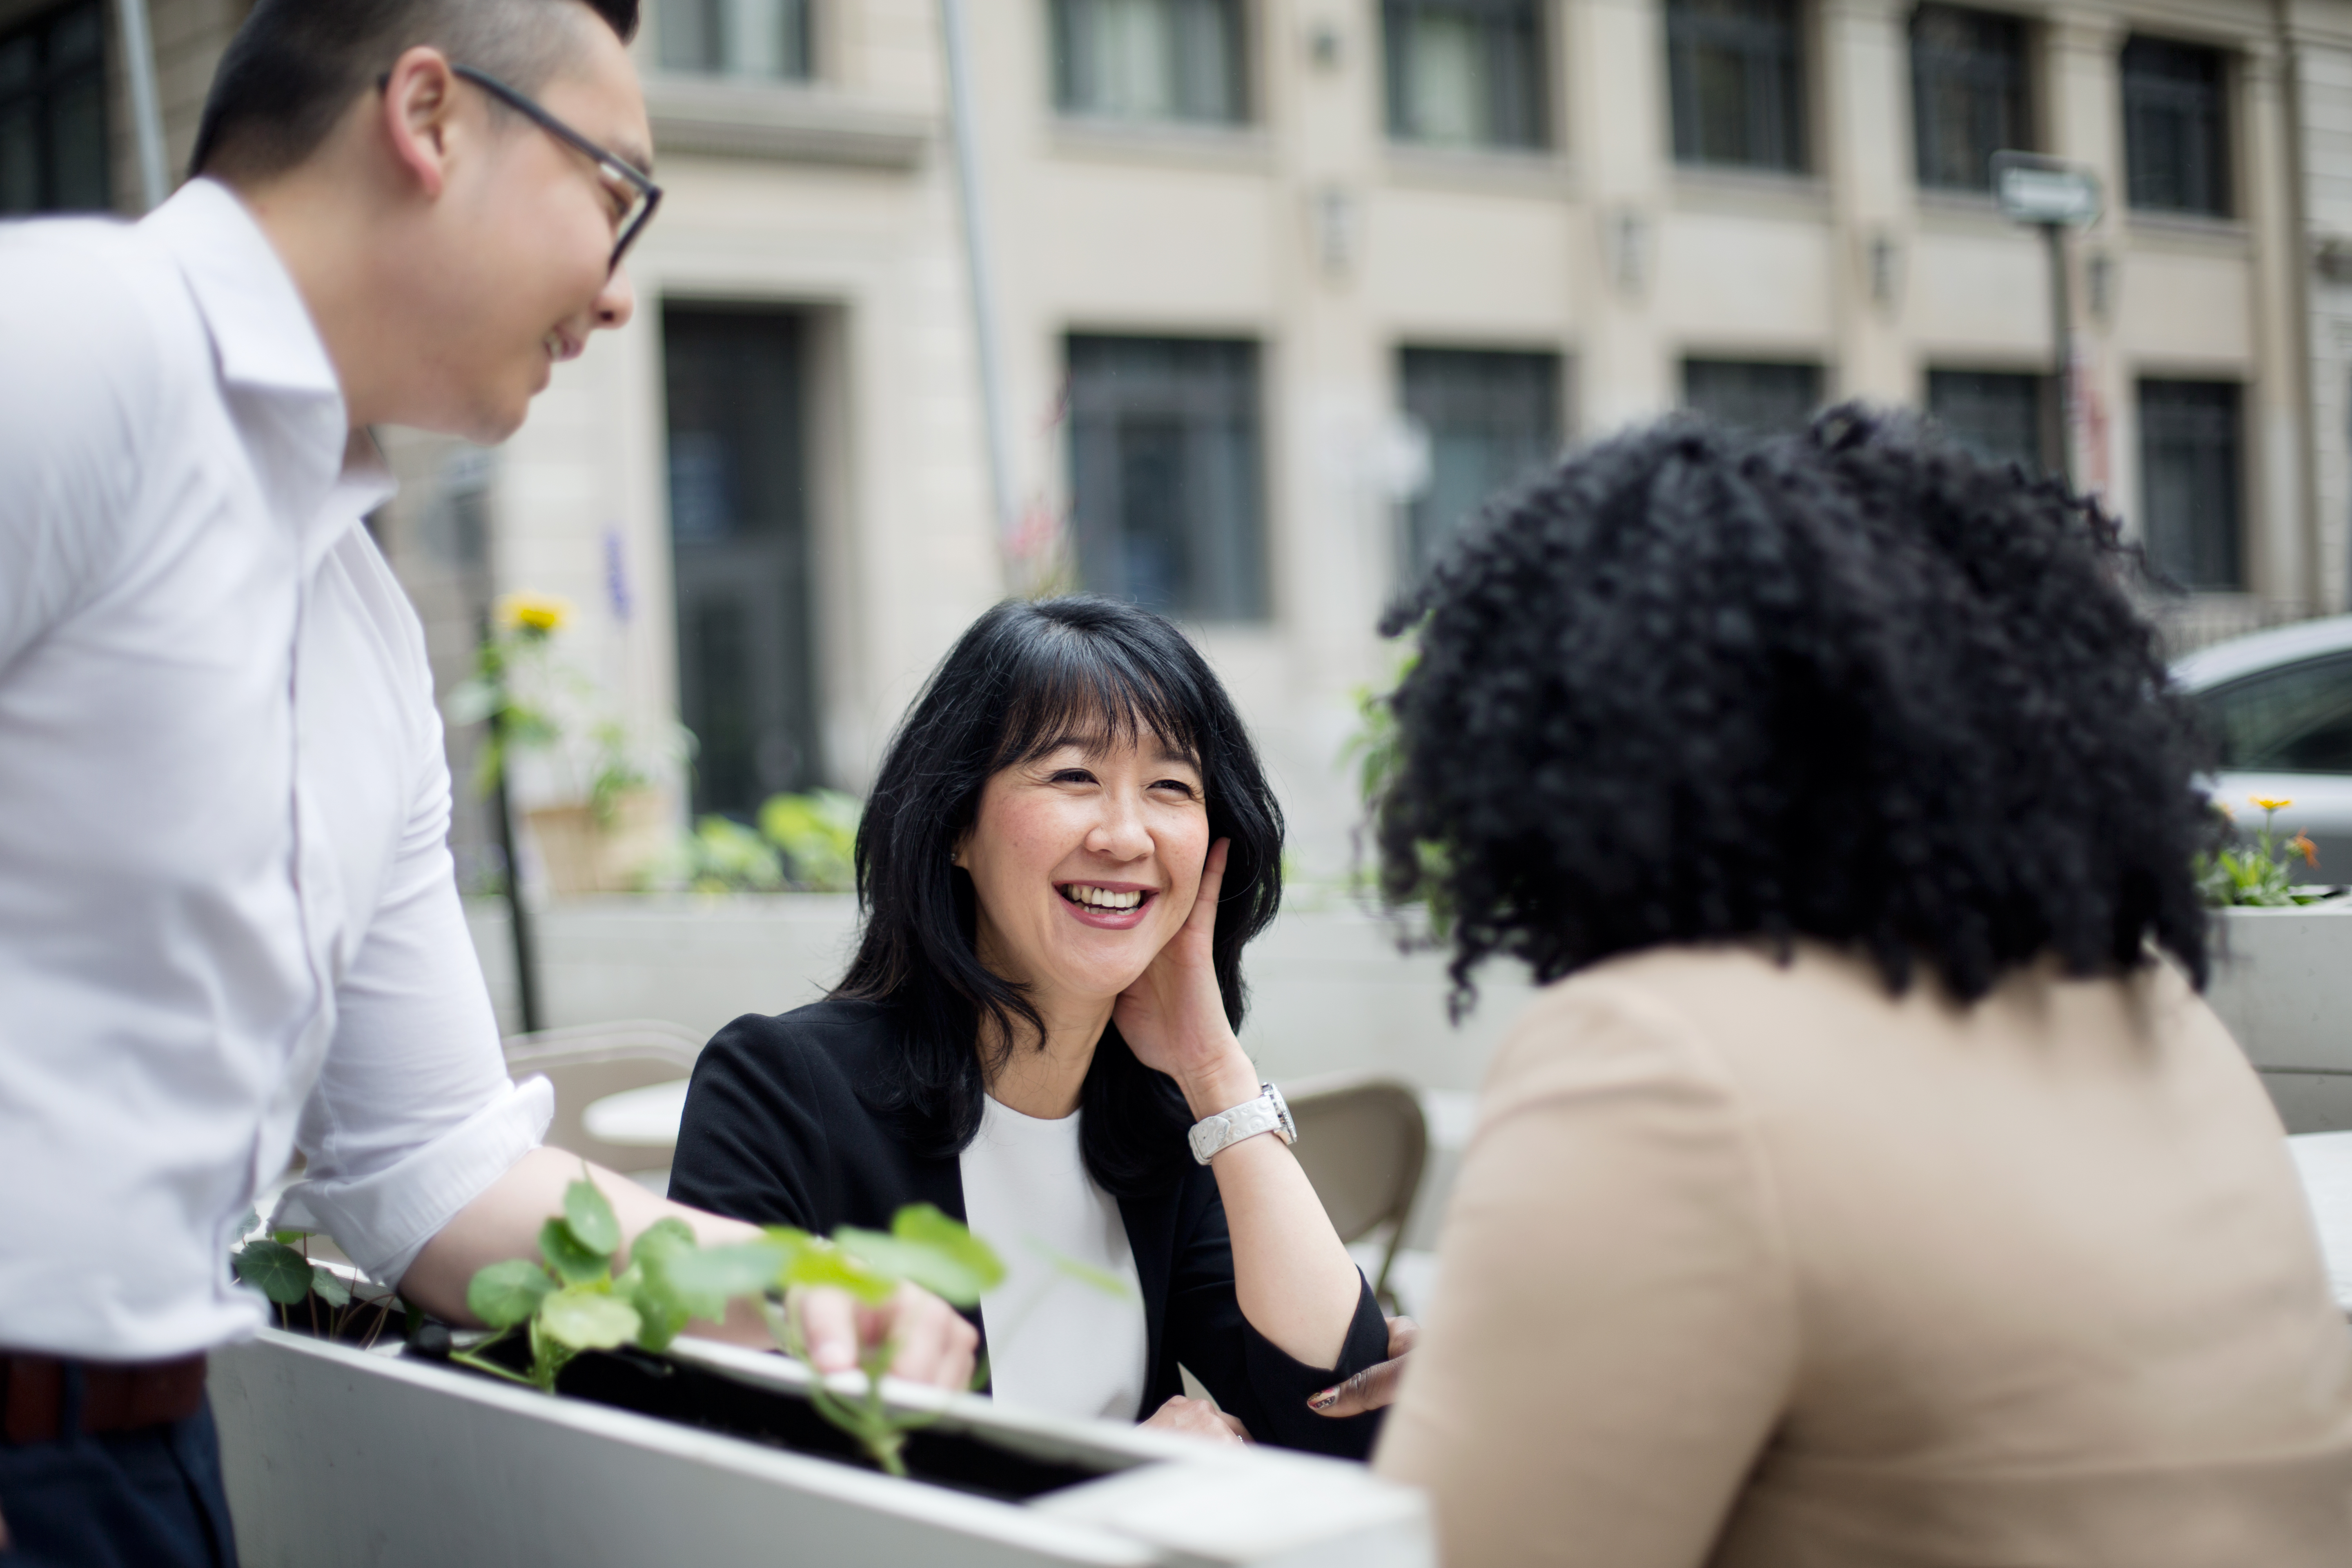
x=1492, y=419
x=1465, y=73
x=763, y=39
x=1149, y=59
x=2176, y=132
x=1750, y=395
x=1968, y=93
x=53, y=113
x=2001, y=417
x=739, y=543
x=1164, y=474
x=2189, y=437
x=2296, y=719
x=1736, y=71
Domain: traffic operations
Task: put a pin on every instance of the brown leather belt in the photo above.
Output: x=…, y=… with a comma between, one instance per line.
x=115, y=1397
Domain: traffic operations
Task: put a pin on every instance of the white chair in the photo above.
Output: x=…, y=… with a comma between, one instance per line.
x=1362, y=1142
x=589, y=1062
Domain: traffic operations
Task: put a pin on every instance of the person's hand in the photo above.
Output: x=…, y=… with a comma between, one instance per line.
x=1375, y=1385
x=1197, y=1418
x=931, y=1341
x=1174, y=1017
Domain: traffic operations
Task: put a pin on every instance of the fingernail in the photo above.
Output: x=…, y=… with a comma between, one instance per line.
x=1325, y=1400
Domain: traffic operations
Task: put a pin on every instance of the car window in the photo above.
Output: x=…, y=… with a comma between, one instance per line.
x=2295, y=719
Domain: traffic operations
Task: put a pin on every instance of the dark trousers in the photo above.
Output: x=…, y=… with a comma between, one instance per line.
x=145, y=1499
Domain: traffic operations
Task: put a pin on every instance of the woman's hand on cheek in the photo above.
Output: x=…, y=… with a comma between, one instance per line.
x=1174, y=1017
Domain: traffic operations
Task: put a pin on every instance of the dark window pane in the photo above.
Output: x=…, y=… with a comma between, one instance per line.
x=739, y=543
x=1149, y=59
x=1164, y=474
x=1968, y=92
x=2295, y=719
x=1492, y=420
x=1752, y=395
x=1465, y=73
x=1736, y=72
x=768, y=39
x=2190, y=462
x=53, y=152
x=2002, y=417
x=2176, y=127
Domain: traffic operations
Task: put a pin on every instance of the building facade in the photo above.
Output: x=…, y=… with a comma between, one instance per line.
x=1281, y=290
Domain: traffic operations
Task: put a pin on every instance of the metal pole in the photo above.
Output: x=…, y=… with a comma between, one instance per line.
x=518, y=927
x=146, y=112
x=2061, y=314
x=975, y=250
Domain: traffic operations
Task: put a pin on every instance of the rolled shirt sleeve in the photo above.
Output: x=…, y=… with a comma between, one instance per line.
x=412, y=1115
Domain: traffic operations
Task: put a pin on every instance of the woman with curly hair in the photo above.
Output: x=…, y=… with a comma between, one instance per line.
x=1870, y=1185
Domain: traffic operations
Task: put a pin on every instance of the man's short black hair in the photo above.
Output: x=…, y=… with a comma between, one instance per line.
x=296, y=65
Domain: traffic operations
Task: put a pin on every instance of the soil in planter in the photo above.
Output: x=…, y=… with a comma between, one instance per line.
x=692, y=1396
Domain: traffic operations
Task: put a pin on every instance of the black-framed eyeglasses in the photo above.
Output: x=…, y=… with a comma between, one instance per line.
x=626, y=180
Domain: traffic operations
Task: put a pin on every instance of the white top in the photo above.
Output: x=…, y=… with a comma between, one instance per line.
x=228, y=924
x=1057, y=1340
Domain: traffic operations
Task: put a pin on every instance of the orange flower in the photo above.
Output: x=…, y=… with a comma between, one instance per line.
x=2302, y=845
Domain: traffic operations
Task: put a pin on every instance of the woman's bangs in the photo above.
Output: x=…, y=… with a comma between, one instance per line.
x=1092, y=692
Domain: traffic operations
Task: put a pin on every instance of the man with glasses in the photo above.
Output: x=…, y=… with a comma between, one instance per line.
x=228, y=927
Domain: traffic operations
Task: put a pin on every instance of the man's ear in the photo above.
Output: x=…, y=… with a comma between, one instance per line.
x=420, y=103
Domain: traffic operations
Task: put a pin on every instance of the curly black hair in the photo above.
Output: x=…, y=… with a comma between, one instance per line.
x=1851, y=684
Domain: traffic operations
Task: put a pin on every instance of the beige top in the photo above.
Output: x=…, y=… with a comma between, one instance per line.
x=1760, y=1265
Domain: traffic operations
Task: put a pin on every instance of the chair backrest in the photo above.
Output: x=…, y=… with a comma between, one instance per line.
x=588, y=1062
x=1362, y=1142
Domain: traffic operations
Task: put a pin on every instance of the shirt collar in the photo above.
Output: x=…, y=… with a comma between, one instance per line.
x=260, y=328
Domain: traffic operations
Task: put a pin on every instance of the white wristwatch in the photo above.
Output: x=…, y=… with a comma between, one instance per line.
x=1267, y=1113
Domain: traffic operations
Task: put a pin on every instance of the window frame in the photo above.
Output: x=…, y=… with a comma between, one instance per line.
x=1685, y=34
x=48, y=84
x=2222, y=172
x=2171, y=440
x=1241, y=66
x=1818, y=369
x=1542, y=90
x=810, y=43
x=2021, y=109
x=1418, y=532
x=2048, y=438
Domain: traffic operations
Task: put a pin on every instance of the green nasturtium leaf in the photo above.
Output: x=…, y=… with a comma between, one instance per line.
x=665, y=1238
x=820, y=1263
x=928, y=1247
x=576, y=1264
x=505, y=1294
x=330, y=1286
x=662, y=1316
x=703, y=1280
x=587, y=1318
x=274, y=1269
x=593, y=1225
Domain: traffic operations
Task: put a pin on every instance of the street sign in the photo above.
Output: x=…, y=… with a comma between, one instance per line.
x=2033, y=189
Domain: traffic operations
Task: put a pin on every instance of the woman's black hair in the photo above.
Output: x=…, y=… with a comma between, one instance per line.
x=1025, y=677
x=1852, y=684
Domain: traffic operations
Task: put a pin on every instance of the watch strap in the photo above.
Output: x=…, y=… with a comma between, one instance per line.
x=1267, y=1113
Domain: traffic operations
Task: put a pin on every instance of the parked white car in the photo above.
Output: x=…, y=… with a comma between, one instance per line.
x=2280, y=704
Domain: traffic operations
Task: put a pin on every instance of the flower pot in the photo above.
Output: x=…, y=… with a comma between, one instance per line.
x=332, y=1453
x=584, y=853
x=2282, y=983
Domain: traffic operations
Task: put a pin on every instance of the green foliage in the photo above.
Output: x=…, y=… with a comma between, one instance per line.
x=723, y=856
x=818, y=835
x=572, y=1301
x=1376, y=751
x=274, y=1269
x=2260, y=876
x=569, y=1306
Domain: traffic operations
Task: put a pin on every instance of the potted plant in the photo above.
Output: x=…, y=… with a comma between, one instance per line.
x=434, y=1448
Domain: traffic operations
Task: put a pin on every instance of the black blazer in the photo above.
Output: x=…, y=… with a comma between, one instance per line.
x=779, y=1129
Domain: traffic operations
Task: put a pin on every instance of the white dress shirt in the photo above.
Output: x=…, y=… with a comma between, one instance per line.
x=228, y=924
x=1057, y=1341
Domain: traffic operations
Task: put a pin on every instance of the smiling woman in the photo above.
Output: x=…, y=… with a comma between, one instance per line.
x=1067, y=847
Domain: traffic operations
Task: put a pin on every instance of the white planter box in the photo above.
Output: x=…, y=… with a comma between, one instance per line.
x=334, y=1454
x=2282, y=983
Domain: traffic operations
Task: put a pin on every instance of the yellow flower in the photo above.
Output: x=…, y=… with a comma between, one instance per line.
x=2267, y=804
x=535, y=612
